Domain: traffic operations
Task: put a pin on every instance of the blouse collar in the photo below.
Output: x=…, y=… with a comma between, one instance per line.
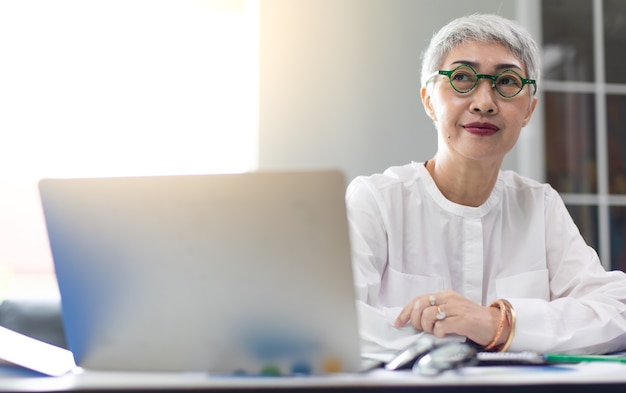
x=461, y=210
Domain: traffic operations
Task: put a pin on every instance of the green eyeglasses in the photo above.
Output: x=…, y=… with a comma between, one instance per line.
x=507, y=83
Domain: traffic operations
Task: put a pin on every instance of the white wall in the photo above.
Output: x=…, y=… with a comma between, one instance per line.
x=339, y=81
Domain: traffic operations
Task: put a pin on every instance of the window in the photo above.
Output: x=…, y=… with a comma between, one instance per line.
x=115, y=88
x=583, y=95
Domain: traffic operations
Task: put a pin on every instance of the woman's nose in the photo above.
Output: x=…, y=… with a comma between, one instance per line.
x=484, y=97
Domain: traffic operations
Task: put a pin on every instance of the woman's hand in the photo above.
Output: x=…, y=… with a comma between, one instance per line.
x=447, y=312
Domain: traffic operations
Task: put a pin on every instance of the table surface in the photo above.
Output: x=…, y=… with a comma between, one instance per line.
x=572, y=378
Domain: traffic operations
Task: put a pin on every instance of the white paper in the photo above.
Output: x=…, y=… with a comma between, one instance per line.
x=381, y=340
x=24, y=351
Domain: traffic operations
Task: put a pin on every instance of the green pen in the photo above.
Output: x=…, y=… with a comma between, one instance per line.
x=549, y=358
x=559, y=358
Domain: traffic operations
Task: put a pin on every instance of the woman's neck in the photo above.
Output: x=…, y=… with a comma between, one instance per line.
x=462, y=183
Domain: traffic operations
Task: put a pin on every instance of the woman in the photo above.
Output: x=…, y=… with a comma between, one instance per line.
x=456, y=247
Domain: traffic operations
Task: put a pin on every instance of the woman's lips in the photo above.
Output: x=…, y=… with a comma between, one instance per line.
x=483, y=129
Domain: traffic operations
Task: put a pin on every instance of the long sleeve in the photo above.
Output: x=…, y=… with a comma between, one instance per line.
x=369, y=252
x=586, y=311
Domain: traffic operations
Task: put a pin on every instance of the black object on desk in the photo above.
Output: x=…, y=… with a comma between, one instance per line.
x=36, y=318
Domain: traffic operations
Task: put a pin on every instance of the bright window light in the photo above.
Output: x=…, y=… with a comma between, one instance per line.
x=116, y=88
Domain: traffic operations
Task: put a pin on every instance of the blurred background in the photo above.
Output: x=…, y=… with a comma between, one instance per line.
x=146, y=87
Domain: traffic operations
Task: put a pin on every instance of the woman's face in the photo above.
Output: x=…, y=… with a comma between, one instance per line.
x=481, y=124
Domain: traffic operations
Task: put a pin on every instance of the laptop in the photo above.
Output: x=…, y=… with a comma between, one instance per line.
x=245, y=273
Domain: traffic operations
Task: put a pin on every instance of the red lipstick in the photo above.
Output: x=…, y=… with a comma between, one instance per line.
x=481, y=129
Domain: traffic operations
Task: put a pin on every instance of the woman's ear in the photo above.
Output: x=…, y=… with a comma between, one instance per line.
x=427, y=102
x=531, y=109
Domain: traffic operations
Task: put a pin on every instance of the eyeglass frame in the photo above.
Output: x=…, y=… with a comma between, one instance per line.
x=492, y=78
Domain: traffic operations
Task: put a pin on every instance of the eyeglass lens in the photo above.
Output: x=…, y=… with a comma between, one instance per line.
x=446, y=357
x=464, y=79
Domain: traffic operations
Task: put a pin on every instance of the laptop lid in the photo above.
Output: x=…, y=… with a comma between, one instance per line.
x=223, y=273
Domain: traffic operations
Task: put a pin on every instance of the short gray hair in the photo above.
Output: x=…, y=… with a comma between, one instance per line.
x=482, y=28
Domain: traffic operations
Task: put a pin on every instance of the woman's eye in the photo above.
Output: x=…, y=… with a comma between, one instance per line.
x=462, y=77
x=509, y=81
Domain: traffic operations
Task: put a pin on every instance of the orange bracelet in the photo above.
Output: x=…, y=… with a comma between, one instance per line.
x=500, y=305
x=511, y=319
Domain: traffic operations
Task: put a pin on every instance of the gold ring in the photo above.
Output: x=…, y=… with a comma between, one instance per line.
x=432, y=300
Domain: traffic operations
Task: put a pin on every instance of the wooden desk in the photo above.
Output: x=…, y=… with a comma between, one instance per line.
x=604, y=377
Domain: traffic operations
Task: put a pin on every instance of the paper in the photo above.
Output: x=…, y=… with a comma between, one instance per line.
x=381, y=340
x=24, y=351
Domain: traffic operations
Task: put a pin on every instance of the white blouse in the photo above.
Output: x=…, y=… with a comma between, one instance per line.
x=521, y=244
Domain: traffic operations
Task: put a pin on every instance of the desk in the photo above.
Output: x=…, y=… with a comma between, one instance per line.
x=604, y=377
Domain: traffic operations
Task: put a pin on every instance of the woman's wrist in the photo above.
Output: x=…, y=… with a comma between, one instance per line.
x=505, y=329
x=512, y=319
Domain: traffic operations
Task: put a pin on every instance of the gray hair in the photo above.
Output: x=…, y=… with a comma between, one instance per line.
x=482, y=28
